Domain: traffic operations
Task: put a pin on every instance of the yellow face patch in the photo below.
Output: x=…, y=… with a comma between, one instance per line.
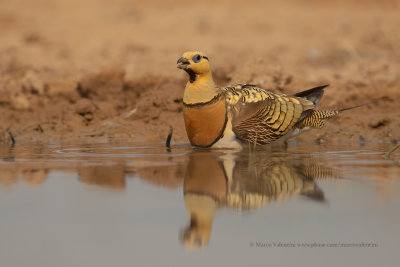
x=198, y=62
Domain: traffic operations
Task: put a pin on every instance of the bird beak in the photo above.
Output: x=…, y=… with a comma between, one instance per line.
x=182, y=63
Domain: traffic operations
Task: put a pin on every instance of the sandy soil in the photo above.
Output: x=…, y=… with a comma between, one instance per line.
x=107, y=69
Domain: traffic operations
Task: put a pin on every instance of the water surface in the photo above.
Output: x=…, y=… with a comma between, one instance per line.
x=119, y=204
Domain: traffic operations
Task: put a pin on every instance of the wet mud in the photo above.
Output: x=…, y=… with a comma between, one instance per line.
x=101, y=70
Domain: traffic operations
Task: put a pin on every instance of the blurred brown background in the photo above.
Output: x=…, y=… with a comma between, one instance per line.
x=101, y=69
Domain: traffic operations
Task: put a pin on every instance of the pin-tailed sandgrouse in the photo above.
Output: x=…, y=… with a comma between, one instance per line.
x=243, y=113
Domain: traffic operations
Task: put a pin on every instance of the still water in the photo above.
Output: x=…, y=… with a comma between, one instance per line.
x=121, y=204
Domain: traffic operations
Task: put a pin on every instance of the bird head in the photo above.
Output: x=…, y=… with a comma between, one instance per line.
x=194, y=62
x=195, y=237
x=201, y=209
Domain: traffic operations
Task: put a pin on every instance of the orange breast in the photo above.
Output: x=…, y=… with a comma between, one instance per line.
x=205, y=175
x=205, y=123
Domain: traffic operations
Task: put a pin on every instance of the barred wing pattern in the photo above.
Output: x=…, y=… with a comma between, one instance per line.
x=316, y=118
x=260, y=180
x=259, y=116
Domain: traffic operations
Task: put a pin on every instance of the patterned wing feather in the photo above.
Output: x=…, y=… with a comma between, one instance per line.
x=259, y=116
x=316, y=118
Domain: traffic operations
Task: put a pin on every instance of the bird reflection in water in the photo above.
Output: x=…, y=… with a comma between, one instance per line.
x=243, y=182
x=211, y=180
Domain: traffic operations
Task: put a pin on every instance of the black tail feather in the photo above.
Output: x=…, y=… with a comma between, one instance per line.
x=316, y=194
x=314, y=94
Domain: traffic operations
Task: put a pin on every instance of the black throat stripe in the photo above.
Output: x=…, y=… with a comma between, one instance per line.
x=192, y=75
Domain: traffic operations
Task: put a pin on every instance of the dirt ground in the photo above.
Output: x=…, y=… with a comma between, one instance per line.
x=102, y=69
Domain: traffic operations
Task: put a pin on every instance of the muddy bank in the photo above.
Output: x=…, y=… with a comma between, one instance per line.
x=101, y=70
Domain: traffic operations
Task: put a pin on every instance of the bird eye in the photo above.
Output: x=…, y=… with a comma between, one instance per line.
x=196, y=58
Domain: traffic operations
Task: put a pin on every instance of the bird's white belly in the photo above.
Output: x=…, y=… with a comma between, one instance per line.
x=229, y=139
